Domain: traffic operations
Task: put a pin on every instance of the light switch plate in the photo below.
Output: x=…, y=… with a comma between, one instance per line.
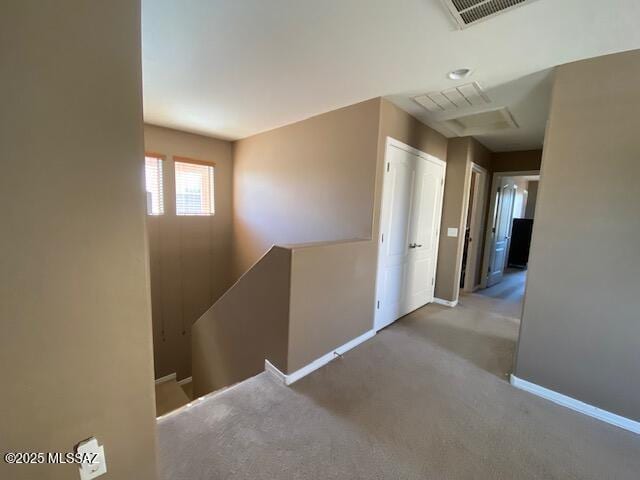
x=452, y=232
x=91, y=448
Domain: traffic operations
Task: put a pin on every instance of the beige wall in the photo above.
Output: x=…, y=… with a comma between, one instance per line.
x=247, y=325
x=398, y=124
x=532, y=188
x=332, y=298
x=74, y=300
x=521, y=161
x=313, y=181
x=462, y=152
x=580, y=327
x=190, y=256
x=296, y=304
x=306, y=182
x=321, y=180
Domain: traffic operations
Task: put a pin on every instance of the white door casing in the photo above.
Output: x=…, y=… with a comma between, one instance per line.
x=409, y=231
x=473, y=278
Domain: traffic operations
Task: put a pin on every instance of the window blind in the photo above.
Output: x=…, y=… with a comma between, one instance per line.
x=154, y=187
x=194, y=188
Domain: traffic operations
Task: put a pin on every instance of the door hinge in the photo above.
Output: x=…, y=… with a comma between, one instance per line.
x=442, y=182
x=378, y=306
x=382, y=240
x=388, y=166
x=433, y=280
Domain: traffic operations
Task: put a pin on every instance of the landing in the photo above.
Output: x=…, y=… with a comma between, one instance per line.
x=425, y=398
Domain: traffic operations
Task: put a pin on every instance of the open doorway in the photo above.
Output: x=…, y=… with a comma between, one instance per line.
x=470, y=273
x=508, y=238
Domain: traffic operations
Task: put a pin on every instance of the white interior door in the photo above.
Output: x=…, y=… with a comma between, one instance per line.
x=394, y=228
x=424, y=226
x=501, y=232
x=409, y=227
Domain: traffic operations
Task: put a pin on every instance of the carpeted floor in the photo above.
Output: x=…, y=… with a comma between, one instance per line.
x=504, y=298
x=426, y=398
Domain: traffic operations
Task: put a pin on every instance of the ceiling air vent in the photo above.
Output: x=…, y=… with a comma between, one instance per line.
x=490, y=121
x=469, y=12
x=462, y=96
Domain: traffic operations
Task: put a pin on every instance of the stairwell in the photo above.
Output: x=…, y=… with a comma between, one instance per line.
x=297, y=304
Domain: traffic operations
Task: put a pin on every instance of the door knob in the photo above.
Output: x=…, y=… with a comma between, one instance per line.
x=412, y=245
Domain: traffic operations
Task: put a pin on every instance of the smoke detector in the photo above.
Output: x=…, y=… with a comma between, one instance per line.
x=459, y=73
x=468, y=12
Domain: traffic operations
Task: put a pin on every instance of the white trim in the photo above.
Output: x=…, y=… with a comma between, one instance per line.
x=184, y=381
x=577, y=405
x=478, y=214
x=275, y=371
x=316, y=364
x=408, y=148
x=446, y=303
x=166, y=378
x=479, y=168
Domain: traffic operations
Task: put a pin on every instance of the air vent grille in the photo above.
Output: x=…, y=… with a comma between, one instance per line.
x=468, y=12
x=462, y=96
x=464, y=4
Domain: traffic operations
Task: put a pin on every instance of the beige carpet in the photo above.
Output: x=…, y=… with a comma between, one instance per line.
x=504, y=298
x=424, y=399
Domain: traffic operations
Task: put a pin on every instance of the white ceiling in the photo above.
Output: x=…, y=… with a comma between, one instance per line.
x=527, y=98
x=232, y=68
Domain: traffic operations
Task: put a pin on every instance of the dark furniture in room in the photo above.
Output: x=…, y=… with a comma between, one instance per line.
x=520, y=242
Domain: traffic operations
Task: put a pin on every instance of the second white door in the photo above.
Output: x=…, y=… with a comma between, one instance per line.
x=409, y=232
x=505, y=196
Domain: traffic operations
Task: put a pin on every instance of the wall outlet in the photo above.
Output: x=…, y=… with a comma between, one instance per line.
x=91, y=450
x=452, y=232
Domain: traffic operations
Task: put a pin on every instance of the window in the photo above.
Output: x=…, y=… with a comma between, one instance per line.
x=194, y=187
x=153, y=180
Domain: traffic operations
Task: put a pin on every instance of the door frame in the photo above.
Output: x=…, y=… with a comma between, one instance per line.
x=478, y=219
x=392, y=142
x=484, y=275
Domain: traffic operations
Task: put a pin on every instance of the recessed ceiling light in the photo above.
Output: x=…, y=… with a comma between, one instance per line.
x=459, y=73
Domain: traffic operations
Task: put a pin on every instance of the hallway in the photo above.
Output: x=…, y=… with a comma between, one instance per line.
x=425, y=398
x=504, y=298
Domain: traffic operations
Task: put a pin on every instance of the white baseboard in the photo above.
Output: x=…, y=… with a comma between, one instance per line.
x=184, y=381
x=316, y=364
x=275, y=371
x=446, y=303
x=166, y=378
x=577, y=405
